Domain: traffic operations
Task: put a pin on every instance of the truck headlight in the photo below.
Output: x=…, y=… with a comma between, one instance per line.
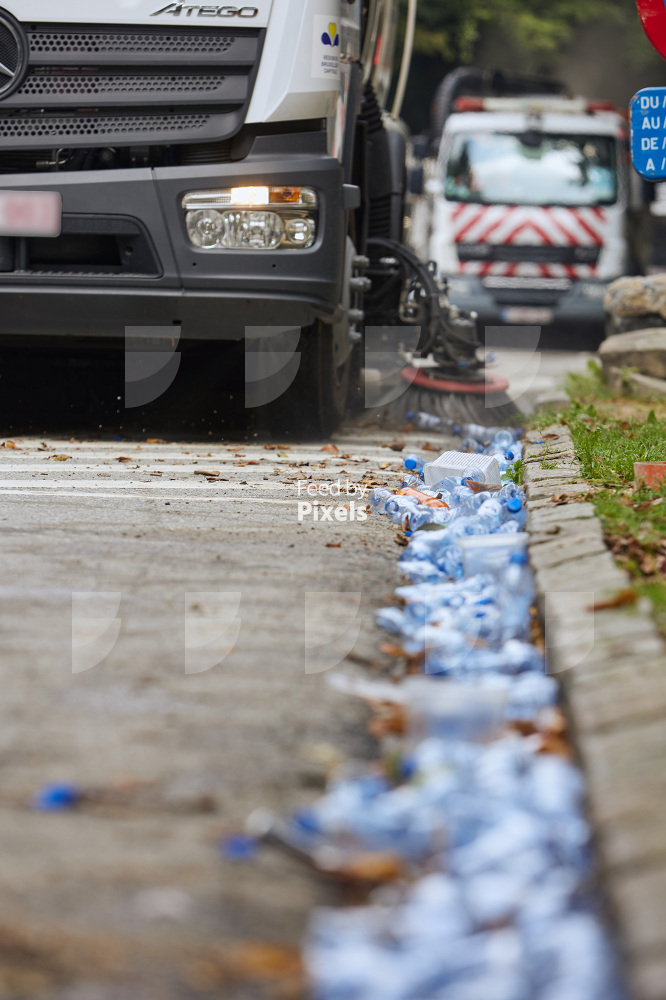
x=235, y=219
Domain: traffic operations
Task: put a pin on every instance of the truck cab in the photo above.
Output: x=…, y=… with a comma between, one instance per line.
x=528, y=207
x=208, y=171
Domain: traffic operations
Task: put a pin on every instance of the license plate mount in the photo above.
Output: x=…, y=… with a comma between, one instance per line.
x=527, y=316
x=30, y=213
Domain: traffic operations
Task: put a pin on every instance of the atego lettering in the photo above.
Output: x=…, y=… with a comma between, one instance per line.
x=176, y=9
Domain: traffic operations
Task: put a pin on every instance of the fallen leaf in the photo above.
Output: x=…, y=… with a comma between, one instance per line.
x=428, y=447
x=123, y=458
x=390, y=649
x=8, y=444
x=201, y=472
x=375, y=866
x=333, y=545
x=331, y=448
x=620, y=600
x=59, y=458
x=389, y=719
x=155, y=441
x=550, y=437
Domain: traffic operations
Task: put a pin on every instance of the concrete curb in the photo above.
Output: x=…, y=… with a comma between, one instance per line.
x=613, y=669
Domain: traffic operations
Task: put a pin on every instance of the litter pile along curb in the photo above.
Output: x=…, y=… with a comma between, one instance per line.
x=471, y=828
x=611, y=661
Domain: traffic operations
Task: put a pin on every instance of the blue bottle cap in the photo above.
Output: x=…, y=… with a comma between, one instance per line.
x=54, y=798
x=519, y=558
x=514, y=505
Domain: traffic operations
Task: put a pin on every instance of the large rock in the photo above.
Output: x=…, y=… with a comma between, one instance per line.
x=636, y=303
x=637, y=297
x=644, y=350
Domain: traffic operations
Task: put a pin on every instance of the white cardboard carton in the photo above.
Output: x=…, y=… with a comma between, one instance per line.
x=454, y=463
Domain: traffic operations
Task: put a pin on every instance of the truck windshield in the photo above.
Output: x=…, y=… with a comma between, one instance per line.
x=534, y=168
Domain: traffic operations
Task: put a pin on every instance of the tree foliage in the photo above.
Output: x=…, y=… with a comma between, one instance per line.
x=452, y=29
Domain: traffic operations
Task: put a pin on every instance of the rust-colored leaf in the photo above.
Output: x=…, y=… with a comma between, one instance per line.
x=375, y=866
x=202, y=472
x=8, y=444
x=124, y=458
x=389, y=718
x=620, y=600
x=332, y=449
x=333, y=545
x=390, y=649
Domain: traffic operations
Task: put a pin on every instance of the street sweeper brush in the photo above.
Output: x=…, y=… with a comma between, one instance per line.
x=444, y=369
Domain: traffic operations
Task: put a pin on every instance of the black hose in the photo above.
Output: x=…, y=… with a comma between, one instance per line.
x=440, y=336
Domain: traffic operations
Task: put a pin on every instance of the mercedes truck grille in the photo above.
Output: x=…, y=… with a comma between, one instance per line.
x=85, y=86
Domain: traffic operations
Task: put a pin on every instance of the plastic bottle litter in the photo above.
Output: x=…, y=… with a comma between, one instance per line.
x=515, y=598
x=413, y=462
x=56, y=798
x=490, y=829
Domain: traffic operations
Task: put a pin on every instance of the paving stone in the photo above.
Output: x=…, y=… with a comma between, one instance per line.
x=536, y=521
x=558, y=551
x=569, y=530
x=626, y=770
x=640, y=901
x=535, y=454
x=594, y=574
x=535, y=474
x=633, y=841
x=619, y=698
x=648, y=978
x=545, y=491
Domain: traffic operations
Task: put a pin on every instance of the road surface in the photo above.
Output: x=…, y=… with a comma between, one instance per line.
x=162, y=614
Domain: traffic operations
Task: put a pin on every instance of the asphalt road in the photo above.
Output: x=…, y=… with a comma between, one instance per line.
x=166, y=627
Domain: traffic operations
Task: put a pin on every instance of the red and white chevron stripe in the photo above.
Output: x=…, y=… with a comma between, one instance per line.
x=533, y=226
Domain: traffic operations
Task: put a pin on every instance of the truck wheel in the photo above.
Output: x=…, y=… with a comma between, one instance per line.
x=315, y=403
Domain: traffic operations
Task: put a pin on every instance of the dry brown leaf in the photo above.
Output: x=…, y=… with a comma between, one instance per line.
x=201, y=472
x=331, y=448
x=389, y=719
x=375, y=866
x=155, y=441
x=428, y=447
x=124, y=458
x=619, y=600
x=333, y=545
x=390, y=649
x=8, y=444
x=59, y=458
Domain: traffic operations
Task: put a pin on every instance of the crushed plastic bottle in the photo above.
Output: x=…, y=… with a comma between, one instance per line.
x=491, y=830
x=414, y=462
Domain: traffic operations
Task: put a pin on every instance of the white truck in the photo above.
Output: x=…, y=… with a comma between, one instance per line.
x=210, y=168
x=527, y=208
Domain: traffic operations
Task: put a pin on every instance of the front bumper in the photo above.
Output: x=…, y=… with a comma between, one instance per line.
x=582, y=303
x=210, y=295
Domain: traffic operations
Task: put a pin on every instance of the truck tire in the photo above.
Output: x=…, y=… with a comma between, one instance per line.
x=315, y=403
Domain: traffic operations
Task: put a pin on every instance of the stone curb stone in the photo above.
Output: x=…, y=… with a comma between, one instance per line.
x=613, y=670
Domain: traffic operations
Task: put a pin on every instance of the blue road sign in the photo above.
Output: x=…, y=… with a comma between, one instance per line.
x=647, y=115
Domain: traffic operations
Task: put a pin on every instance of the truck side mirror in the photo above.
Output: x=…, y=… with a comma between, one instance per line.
x=415, y=181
